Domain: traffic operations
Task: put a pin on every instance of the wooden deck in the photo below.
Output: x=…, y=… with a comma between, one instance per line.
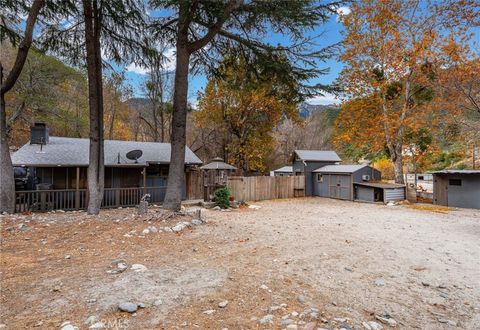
x=76, y=199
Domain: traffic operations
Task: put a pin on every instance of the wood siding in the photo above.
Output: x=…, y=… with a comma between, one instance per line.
x=266, y=187
x=194, y=185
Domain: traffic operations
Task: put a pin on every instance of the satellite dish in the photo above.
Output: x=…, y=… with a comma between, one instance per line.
x=134, y=155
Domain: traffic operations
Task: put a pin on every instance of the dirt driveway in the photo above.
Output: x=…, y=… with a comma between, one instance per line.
x=300, y=263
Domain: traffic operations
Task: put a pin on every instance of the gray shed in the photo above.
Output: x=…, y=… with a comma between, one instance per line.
x=378, y=192
x=337, y=181
x=458, y=188
x=283, y=171
x=304, y=162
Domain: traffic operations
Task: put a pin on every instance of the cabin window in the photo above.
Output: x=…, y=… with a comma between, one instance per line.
x=455, y=182
x=319, y=177
x=420, y=177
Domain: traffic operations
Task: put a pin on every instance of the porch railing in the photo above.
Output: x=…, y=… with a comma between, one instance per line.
x=72, y=199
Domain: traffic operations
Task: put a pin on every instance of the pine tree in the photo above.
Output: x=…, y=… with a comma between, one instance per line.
x=97, y=29
x=200, y=31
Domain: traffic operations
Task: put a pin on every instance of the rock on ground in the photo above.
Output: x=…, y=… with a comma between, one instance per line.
x=266, y=319
x=223, y=304
x=138, y=268
x=180, y=226
x=128, y=307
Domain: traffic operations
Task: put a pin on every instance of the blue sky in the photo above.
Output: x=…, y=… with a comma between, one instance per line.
x=331, y=33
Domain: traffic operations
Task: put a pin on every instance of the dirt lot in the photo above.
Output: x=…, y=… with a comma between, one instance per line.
x=316, y=263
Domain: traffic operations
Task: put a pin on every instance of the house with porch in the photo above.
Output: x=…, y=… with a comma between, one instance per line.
x=54, y=172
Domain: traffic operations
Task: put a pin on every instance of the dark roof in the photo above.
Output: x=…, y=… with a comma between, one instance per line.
x=218, y=164
x=286, y=169
x=318, y=155
x=75, y=152
x=457, y=172
x=384, y=185
x=339, y=168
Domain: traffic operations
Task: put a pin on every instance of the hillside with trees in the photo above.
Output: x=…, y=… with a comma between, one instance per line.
x=48, y=90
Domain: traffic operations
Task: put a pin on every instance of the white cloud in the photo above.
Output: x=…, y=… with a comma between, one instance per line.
x=137, y=69
x=343, y=11
x=170, y=59
x=168, y=64
x=325, y=99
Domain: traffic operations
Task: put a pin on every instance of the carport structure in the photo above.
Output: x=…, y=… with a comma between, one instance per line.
x=378, y=192
x=336, y=181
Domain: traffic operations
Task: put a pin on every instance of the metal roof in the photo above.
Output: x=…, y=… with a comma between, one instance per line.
x=218, y=164
x=383, y=185
x=288, y=169
x=339, y=168
x=457, y=172
x=318, y=155
x=62, y=151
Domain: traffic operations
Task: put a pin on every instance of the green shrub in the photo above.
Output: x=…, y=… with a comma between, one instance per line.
x=222, y=196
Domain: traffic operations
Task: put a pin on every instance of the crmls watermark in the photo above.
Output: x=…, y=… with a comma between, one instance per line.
x=115, y=324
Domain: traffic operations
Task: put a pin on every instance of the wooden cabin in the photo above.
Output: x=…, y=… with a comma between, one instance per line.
x=56, y=169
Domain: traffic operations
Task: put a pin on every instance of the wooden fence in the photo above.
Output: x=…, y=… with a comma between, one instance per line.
x=256, y=188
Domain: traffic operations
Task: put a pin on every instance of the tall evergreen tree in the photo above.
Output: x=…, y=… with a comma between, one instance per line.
x=97, y=30
x=200, y=30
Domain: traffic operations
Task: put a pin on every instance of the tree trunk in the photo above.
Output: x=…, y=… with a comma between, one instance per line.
x=155, y=122
x=176, y=173
x=397, y=159
x=96, y=169
x=162, y=123
x=414, y=156
x=7, y=182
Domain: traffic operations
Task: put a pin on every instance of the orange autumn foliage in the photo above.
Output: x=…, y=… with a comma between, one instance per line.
x=391, y=51
x=244, y=112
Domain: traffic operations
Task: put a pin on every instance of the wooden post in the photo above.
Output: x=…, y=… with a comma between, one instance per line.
x=144, y=180
x=187, y=185
x=117, y=197
x=205, y=188
x=77, y=192
x=43, y=201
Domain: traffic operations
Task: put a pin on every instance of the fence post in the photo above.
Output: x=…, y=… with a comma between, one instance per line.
x=77, y=192
x=43, y=201
x=117, y=198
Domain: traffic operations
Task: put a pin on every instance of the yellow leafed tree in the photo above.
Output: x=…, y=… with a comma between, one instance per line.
x=392, y=51
x=243, y=111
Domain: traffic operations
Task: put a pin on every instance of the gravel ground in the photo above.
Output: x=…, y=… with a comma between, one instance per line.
x=313, y=262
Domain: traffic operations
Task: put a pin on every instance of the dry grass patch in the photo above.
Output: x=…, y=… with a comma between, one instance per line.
x=431, y=208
